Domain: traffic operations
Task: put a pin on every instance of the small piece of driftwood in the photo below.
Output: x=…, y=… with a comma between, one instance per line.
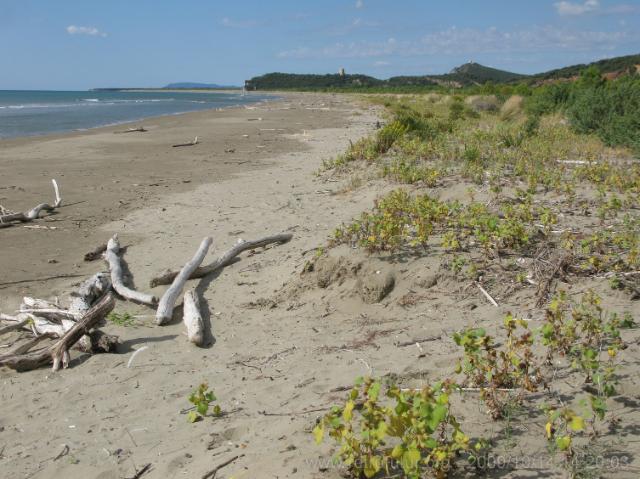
x=96, y=253
x=193, y=318
x=224, y=260
x=33, y=213
x=14, y=326
x=486, y=295
x=164, y=312
x=112, y=257
x=58, y=353
x=191, y=143
x=132, y=130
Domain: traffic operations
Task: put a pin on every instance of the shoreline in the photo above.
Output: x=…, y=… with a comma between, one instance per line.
x=141, y=119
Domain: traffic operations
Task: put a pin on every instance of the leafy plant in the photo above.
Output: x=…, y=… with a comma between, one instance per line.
x=121, y=319
x=413, y=431
x=503, y=375
x=202, y=398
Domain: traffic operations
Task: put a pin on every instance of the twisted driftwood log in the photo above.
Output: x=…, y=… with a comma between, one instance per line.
x=115, y=266
x=32, y=214
x=193, y=318
x=58, y=353
x=224, y=260
x=168, y=300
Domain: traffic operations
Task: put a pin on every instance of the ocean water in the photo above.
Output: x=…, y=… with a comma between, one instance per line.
x=28, y=113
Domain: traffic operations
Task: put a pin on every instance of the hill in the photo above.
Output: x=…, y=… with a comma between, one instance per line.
x=468, y=74
x=464, y=75
x=609, y=65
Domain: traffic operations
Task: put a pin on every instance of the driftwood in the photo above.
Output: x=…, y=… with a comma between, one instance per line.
x=224, y=260
x=96, y=253
x=191, y=143
x=132, y=130
x=486, y=295
x=168, y=300
x=58, y=353
x=12, y=327
x=193, y=318
x=115, y=266
x=33, y=213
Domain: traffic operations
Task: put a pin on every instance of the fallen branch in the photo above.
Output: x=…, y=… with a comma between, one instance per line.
x=487, y=295
x=224, y=260
x=212, y=473
x=115, y=266
x=132, y=130
x=191, y=143
x=34, y=213
x=35, y=280
x=12, y=327
x=164, y=312
x=58, y=353
x=193, y=318
x=95, y=253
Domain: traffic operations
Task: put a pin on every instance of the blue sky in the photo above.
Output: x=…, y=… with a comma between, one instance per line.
x=79, y=44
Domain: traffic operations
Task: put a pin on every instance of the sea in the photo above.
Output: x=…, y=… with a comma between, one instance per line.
x=31, y=113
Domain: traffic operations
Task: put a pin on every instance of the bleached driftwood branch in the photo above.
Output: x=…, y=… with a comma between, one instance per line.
x=168, y=300
x=224, y=260
x=58, y=353
x=191, y=143
x=115, y=266
x=193, y=318
x=132, y=130
x=34, y=213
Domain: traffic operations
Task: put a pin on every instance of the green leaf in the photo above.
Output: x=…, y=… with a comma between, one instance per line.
x=410, y=459
x=193, y=417
x=577, y=423
x=563, y=442
x=347, y=412
x=372, y=466
x=437, y=416
x=202, y=408
x=318, y=432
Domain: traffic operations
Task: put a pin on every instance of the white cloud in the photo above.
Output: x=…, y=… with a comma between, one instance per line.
x=359, y=3
x=227, y=22
x=91, y=31
x=571, y=8
x=381, y=63
x=455, y=41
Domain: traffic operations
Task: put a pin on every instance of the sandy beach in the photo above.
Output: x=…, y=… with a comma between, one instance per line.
x=290, y=328
x=250, y=175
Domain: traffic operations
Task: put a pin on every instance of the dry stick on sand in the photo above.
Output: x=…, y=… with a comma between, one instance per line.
x=96, y=253
x=193, y=318
x=132, y=130
x=115, y=266
x=224, y=260
x=34, y=213
x=212, y=473
x=58, y=353
x=191, y=143
x=486, y=295
x=168, y=300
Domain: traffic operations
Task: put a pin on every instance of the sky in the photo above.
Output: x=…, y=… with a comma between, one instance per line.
x=82, y=44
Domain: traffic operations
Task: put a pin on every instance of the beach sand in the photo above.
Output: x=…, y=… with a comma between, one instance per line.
x=291, y=329
x=251, y=175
